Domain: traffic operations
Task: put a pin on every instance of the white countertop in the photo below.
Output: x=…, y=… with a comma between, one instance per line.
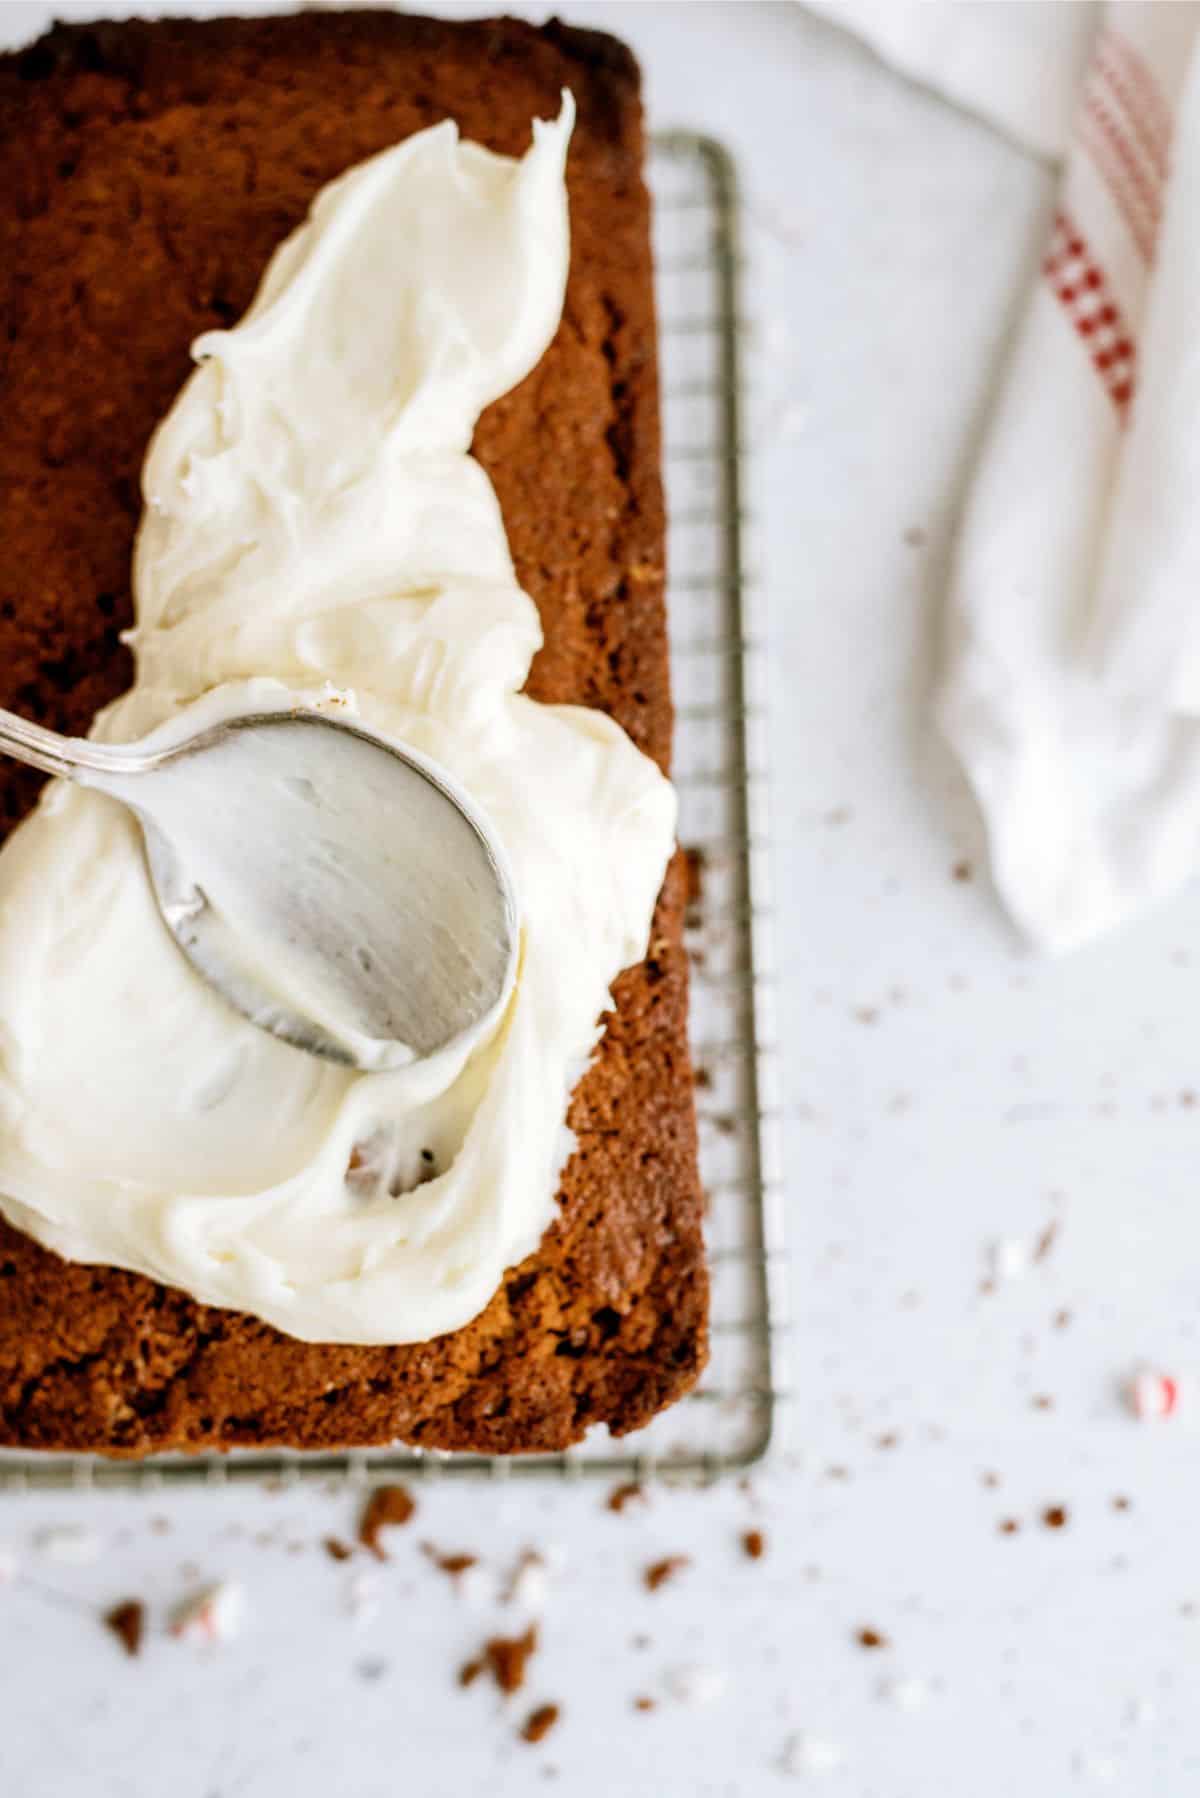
x=942, y=1090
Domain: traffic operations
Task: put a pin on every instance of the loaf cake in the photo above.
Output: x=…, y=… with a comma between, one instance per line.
x=151, y=170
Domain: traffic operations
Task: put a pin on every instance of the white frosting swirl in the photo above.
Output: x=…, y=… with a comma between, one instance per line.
x=314, y=520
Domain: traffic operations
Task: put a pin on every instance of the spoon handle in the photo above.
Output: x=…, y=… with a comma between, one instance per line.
x=54, y=754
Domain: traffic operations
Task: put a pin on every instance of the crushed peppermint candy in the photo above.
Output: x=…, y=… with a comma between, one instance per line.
x=214, y=1614
x=1101, y=1769
x=529, y=1586
x=1009, y=1258
x=1151, y=1393
x=907, y=1694
x=807, y=1756
x=361, y=1597
x=694, y=1685
x=70, y=1544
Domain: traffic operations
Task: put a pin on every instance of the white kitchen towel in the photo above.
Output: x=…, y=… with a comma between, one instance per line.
x=1018, y=65
x=1072, y=686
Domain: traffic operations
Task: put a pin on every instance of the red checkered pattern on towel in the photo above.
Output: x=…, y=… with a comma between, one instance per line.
x=1079, y=284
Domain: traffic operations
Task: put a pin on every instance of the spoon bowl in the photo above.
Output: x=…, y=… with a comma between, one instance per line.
x=337, y=889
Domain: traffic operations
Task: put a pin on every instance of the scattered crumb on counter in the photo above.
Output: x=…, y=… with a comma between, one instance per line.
x=1008, y=1526
x=336, y=1549
x=1121, y=1503
x=660, y=1572
x=127, y=1621
x=872, y=1638
x=506, y=1658
x=962, y=871
x=1054, y=1517
x=388, y=1507
x=453, y=1564
x=539, y=1723
x=643, y=1703
x=754, y=1544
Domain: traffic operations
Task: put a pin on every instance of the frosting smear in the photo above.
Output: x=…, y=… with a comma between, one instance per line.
x=316, y=532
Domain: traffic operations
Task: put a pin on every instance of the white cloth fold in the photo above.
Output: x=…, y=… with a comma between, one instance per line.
x=1073, y=670
x=1071, y=688
x=1018, y=65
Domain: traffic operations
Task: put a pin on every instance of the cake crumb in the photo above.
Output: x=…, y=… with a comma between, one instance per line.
x=455, y=1565
x=539, y=1723
x=1008, y=1526
x=127, y=1622
x=336, y=1549
x=872, y=1638
x=1121, y=1503
x=659, y=1572
x=643, y=1703
x=962, y=871
x=754, y=1544
x=389, y=1507
x=1054, y=1517
x=506, y=1657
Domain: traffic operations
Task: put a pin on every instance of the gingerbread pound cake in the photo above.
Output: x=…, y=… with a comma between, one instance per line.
x=155, y=169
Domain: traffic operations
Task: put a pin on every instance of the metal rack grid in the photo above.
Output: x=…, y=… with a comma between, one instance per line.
x=728, y=1421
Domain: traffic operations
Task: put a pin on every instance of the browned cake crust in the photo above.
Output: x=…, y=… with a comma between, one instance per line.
x=149, y=172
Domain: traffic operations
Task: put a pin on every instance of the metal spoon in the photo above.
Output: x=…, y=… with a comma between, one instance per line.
x=336, y=889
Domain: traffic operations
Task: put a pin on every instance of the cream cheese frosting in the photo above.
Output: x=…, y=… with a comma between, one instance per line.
x=316, y=532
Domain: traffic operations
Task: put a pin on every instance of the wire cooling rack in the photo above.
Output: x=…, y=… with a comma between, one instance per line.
x=727, y=1422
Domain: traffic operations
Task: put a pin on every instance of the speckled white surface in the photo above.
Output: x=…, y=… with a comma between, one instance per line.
x=943, y=1092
